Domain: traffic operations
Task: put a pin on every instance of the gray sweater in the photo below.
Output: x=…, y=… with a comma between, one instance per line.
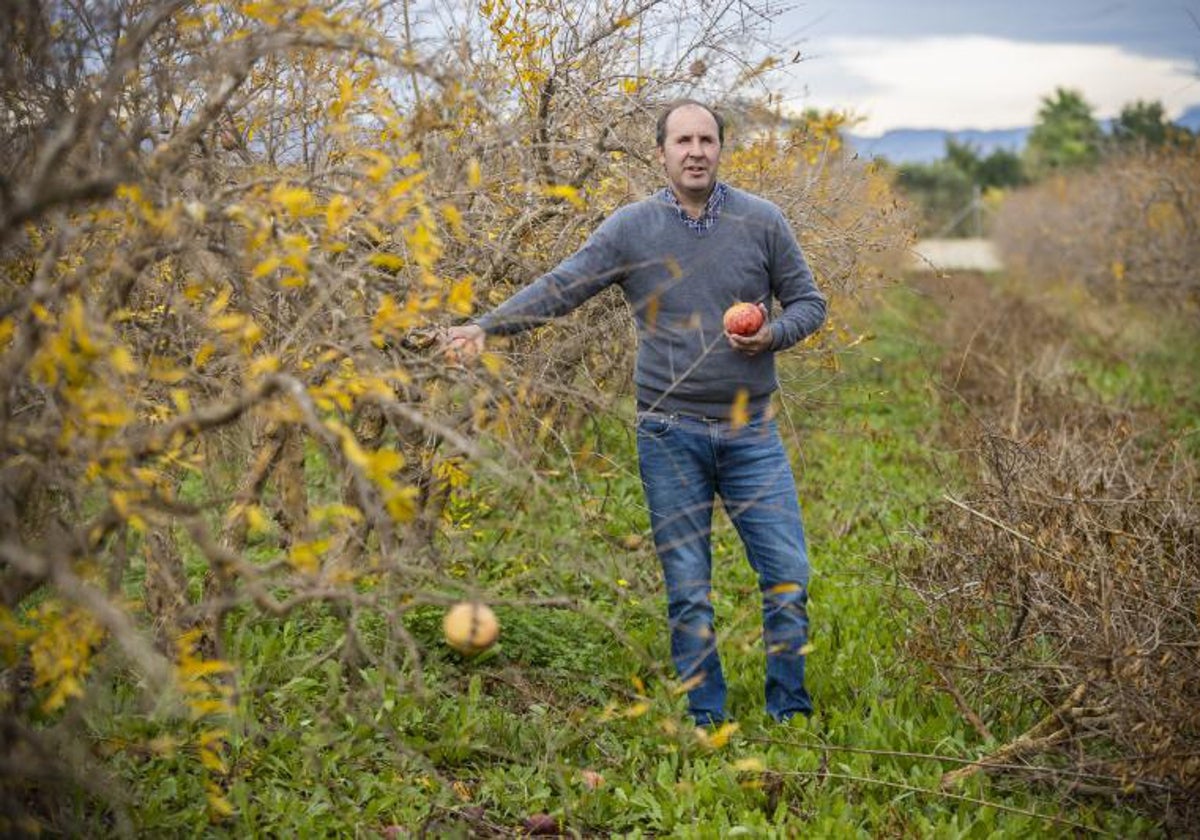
x=679, y=282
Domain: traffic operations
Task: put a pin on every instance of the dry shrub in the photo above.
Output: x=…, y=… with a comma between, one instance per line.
x=1071, y=566
x=228, y=233
x=1128, y=229
x=1062, y=589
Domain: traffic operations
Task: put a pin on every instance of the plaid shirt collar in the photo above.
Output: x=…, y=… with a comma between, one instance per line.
x=712, y=208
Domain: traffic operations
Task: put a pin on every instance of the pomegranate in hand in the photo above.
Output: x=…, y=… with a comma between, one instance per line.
x=743, y=319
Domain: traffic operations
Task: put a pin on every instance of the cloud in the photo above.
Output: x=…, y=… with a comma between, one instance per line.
x=979, y=82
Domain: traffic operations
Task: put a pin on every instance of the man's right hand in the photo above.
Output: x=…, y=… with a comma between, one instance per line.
x=463, y=343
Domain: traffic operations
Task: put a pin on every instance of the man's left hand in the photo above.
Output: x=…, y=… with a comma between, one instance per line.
x=752, y=345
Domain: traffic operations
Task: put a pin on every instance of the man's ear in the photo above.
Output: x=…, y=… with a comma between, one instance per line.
x=662, y=155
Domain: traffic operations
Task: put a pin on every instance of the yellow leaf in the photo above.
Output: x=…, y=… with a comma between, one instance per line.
x=491, y=362
x=64, y=690
x=373, y=232
x=203, y=355
x=256, y=520
x=262, y=365
x=203, y=707
x=382, y=463
x=337, y=212
x=267, y=11
x=314, y=19
x=688, y=684
x=75, y=321
x=382, y=164
x=637, y=709
x=403, y=187
x=220, y=301
x=392, y=318
x=211, y=760
x=454, y=220
x=781, y=588
x=474, y=175
x=265, y=267
x=567, y=192
x=748, y=765
x=195, y=669
x=459, y=299
x=402, y=504
x=164, y=370
x=720, y=738
x=233, y=322
x=739, y=412
x=295, y=200
x=345, y=96
x=335, y=511
x=181, y=399
x=388, y=262
x=354, y=453
x=120, y=358
x=306, y=556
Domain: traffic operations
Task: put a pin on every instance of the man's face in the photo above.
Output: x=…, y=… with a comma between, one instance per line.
x=691, y=151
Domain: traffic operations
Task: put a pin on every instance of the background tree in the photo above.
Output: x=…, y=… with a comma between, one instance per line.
x=948, y=190
x=1141, y=123
x=1001, y=170
x=1143, y=126
x=1066, y=135
x=942, y=190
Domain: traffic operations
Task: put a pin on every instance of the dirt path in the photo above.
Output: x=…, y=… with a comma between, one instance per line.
x=935, y=255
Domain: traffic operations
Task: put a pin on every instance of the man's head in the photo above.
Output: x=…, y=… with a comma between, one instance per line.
x=670, y=108
x=690, y=136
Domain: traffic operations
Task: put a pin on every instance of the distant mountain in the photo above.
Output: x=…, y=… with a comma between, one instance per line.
x=1190, y=119
x=918, y=145
x=925, y=145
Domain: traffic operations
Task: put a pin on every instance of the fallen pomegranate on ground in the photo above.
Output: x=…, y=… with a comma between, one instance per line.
x=470, y=627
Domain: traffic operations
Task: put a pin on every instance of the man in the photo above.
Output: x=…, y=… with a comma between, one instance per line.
x=682, y=256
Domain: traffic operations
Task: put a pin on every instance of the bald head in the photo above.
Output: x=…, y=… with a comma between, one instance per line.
x=660, y=134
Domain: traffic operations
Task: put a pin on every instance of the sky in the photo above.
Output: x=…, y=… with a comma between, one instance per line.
x=986, y=64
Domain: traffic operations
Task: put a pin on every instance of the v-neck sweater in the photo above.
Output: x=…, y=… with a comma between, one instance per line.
x=679, y=281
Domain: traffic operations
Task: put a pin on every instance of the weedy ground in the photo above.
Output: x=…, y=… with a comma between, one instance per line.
x=575, y=715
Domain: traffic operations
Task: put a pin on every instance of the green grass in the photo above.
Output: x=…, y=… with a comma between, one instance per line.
x=319, y=749
x=1150, y=366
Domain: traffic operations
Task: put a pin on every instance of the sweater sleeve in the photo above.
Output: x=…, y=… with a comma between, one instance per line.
x=793, y=286
x=587, y=272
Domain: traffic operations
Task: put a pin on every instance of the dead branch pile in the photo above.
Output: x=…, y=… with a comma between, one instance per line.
x=1062, y=589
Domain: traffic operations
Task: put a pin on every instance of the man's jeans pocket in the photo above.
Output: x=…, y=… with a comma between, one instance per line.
x=655, y=424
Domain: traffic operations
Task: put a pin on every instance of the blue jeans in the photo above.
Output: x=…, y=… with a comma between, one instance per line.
x=685, y=463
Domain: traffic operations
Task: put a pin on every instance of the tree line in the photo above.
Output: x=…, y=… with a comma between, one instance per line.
x=1066, y=137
